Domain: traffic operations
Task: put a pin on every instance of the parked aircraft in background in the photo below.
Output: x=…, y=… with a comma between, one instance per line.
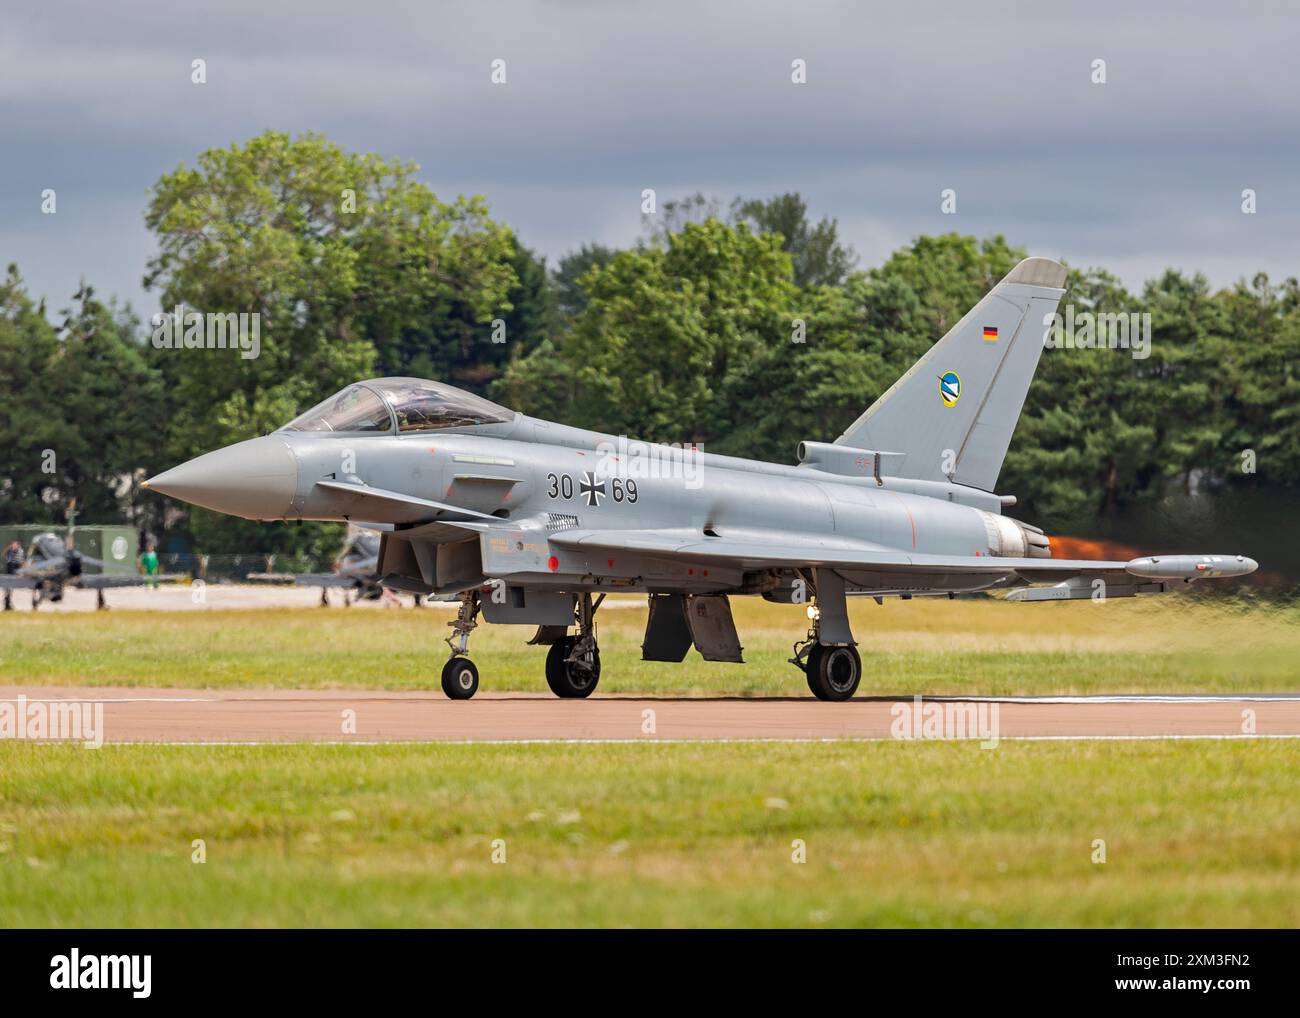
x=356, y=572
x=51, y=566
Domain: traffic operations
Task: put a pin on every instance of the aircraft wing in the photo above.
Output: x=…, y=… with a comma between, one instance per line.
x=102, y=582
x=759, y=549
x=770, y=549
x=332, y=580
x=16, y=581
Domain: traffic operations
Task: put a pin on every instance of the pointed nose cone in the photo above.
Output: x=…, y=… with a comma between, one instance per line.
x=256, y=479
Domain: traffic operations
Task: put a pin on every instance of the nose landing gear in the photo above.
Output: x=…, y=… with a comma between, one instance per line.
x=459, y=678
x=459, y=674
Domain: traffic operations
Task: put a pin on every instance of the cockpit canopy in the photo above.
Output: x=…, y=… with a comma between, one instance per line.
x=407, y=404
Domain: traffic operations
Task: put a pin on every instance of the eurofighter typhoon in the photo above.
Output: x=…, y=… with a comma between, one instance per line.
x=532, y=523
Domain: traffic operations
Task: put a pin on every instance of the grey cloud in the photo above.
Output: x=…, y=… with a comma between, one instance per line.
x=604, y=99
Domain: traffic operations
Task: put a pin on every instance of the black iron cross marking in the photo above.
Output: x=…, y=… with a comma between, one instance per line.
x=590, y=490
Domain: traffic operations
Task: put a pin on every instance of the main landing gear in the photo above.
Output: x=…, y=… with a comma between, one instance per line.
x=459, y=674
x=573, y=662
x=833, y=673
x=828, y=657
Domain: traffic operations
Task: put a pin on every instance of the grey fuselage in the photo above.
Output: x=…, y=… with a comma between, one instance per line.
x=543, y=477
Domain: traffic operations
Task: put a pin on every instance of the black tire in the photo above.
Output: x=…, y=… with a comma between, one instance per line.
x=459, y=678
x=808, y=674
x=566, y=680
x=834, y=672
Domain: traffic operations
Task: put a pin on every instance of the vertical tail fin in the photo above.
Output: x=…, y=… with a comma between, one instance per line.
x=955, y=409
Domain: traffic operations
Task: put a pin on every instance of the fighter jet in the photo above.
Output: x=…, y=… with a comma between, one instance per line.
x=531, y=522
x=356, y=572
x=51, y=566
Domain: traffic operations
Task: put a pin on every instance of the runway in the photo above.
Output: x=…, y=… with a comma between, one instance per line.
x=361, y=716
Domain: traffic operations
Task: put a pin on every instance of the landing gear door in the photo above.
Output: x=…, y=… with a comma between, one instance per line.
x=712, y=628
x=667, y=636
x=458, y=566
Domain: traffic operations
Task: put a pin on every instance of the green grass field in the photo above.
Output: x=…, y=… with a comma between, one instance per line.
x=920, y=834
x=1197, y=833
x=1131, y=645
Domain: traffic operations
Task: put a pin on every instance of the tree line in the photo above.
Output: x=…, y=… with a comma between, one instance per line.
x=743, y=328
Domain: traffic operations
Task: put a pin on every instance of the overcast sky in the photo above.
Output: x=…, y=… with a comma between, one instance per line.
x=603, y=99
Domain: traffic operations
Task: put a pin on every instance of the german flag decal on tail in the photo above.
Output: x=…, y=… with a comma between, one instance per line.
x=991, y=333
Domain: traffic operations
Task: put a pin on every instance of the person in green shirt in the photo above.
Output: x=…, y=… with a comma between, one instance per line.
x=149, y=563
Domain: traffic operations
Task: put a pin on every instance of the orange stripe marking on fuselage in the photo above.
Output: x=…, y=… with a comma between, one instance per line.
x=909, y=516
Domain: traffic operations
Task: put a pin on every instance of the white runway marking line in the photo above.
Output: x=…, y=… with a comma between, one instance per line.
x=664, y=742
x=381, y=695
x=1123, y=698
x=113, y=699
